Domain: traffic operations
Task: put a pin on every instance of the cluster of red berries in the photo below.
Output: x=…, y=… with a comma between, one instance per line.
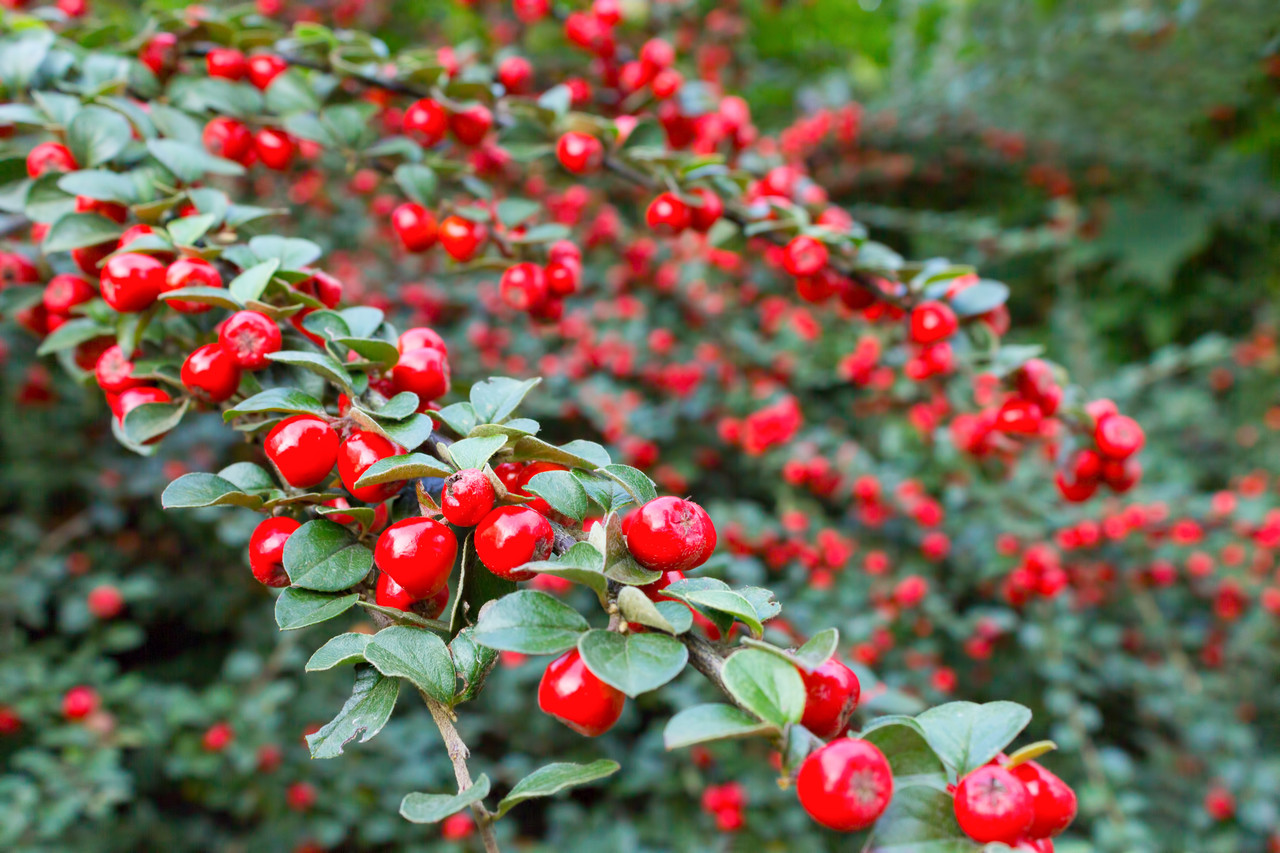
x=725, y=803
x=540, y=290
x=1023, y=806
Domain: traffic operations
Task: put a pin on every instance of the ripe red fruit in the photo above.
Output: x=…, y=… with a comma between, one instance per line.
x=471, y=124
x=132, y=281
x=266, y=550
x=64, y=292
x=415, y=226
x=50, y=157
x=562, y=279
x=250, y=336
x=420, y=337
x=932, y=322
x=670, y=534
x=264, y=68
x=356, y=454
x=275, y=148
x=1052, y=800
x=227, y=138
x=845, y=785
x=114, y=211
x=1118, y=436
x=211, y=373
x=523, y=286
x=423, y=371
x=160, y=53
x=462, y=237
x=132, y=398
x=304, y=449
x=704, y=215
x=79, y=702
x=510, y=536
x=667, y=214
x=105, y=602
x=114, y=371
x=227, y=63
x=426, y=121
x=467, y=497
x=515, y=73
x=217, y=737
x=831, y=695
x=657, y=54
x=579, y=153
x=573, y=695
x=804, y=255
x=993, y=805
x=190, y=272
x=418, y=554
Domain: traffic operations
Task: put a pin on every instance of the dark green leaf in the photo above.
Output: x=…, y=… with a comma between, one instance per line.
x=561, y=490
x=415, y=654
x=529, y=622
x=475, y=452
x=324, y=556
x=287, y=400
x=251, y=283
x=966, y=735
x=97, y=134
x=407, y=467
x=200, y=489
x=188, y=162
x=152, y=420
x=633, y=663
x=340, y=650
x=205, y=296
x=298, y=608
x=373, y=698
x=554, y=778
x=293, y=253
x=920, y=819
x=459, y=417
x=495, y=398
x=77, y=230
x=635, y=481
x=325, y=366
x=704, y=723
x=433, y=808
x=417, y=181
x=903, y=743
x=472, y=662
x=767, y=685
x=72, y=333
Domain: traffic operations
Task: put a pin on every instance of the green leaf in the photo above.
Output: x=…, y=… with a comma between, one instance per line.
x=200, y=489
x=78, y=230
x=529, y=622
x=373, y=698
x=476, y=588
x=980, y=298
x=475, y=452
x=251, y=283
x=695, y=591
x=324, y=366
x=512, y=211
x=966, y=735
x=293, y=253
x=373, y=349
x=415, y=654
x=362, y=320
x=289, y=400
x=561, y=490
x=576, y=454
x=634, y=663
x=97, y=134
x=339, y=651
x=581, y=564
x=248, y=477
x=407, y=467
x=298, y=608
x=99, y=184
x=646, y=134
x=72, y=333
x=554, y=778
x=766, y=606
x=190, y=163
x=618, y=563
x=497, y=397
x=711, y=722
x=903, y=742
x=636, y=607
x=205, y=296
x=635, y=481
x=433, y=808
x=771, y=688
x=152, y=420
x=418, y=182
x=289, y=93
x=187, y=230
x=818, y=650
x=399, y=407
x=472, y=662
x=324, y=556
x=920, y=819
x=410, y=433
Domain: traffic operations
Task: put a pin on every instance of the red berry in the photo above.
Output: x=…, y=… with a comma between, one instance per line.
x=1118, y=436
x=670, y=534
x=65, y=291
x=264, y=68
x=356, y=454
x=704, y=215
x=462, y=237
x=114, y=211
x=804, y=255
x=50, y=157
x=250, y=336
x=426, y=121
x=1052, y=800
x=266, y=550
x=304, y=449
x=275, y=148
x=105, y=602
x=993, y=805
x=211, y=373
x=424, y=372
x=132, y=281
x=160, y=53
x=845, y=785
x=460, y=825
x=190, y=272
x=132, y=398
x=467, y=497
x=510, y=536
x=573, y=695
x=523, y=286
x=932, y=322
x=79, y=702
x=657, y=54
x=227, y=138
x=516, y=74
x=114, y=371
x=323, y=287
x=831, y=695
x=420, y=337
x=667, y=214
x=418, y=554
x=471, y=124
x=562, y=279
x=388, y=593
x=579, y=153
x=415, y=226
x=227, y=63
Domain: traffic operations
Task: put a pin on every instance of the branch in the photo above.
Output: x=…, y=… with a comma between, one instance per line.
x=458, y=754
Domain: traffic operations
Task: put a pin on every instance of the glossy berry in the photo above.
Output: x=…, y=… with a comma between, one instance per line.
x=804, y=256
x=1052, y=800
x=211, y=374
x=573, y=695
x=160, y=53
x=415, y=226
x=304, y=449
x=1118, y=436
x=579, y=153
x=114, y=371
x=250, y=336
x=670, y=534
x=423, y=371
x=707, y=212
x=845, y=785
x=471, y=124
x=50, y=157
x=132, y=398
x=79, y=702
x=523, y=286
x=360, y=450
x=114, y=211
x=932, y=322
x=275, y=148
x=515, y=73
x=132, y=281
x=227, y=138
x=266, y=550
x=831, y=695
x=190, y=272
x=65, y=291
x=510, y=536
x=217, y=737
x=227, y=63
x=667, y=215
x=418, y=554
x=993, y=805
x=388, y=593
x=421, y=337
x=462, y=237
x=467, y=497
x=426, y=121
x=264, y=68
x=105, y=601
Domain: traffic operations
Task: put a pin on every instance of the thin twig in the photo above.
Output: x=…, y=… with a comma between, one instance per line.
x=458, y=754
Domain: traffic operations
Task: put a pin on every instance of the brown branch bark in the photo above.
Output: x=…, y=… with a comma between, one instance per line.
x=458, y=754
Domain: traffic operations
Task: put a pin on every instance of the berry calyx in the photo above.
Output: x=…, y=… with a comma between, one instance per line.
x=831, y=695
x=670, y=534
x=304, y=449
x=573, y=695
x=266, y=550
x=467, y=497
x=418, y=554
x=250, y=336
x=845, y=785
x=993, y=805
x=510, y=536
